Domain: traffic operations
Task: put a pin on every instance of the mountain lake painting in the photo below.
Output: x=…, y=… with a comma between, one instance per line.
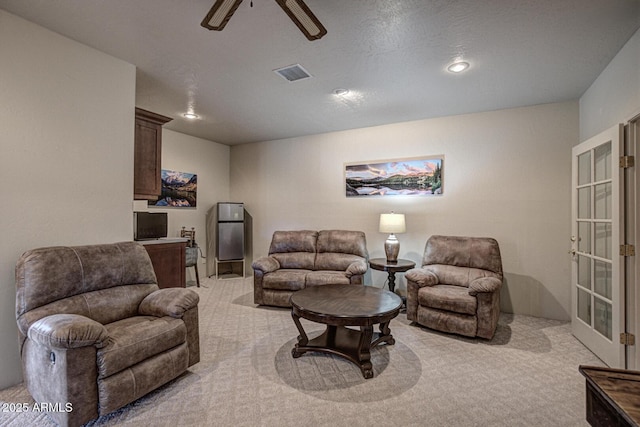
x=179, y=190
x=417, y=176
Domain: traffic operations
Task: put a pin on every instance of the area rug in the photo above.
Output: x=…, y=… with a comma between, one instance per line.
x=526, y=376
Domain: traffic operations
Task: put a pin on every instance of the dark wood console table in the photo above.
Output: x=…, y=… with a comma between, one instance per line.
x=169, y=261
x=613, y=396
x=338, y=306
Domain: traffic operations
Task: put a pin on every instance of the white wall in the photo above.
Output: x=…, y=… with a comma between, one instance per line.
x=614, y=97
x=66, y=162
x=210, y=161
x=507, y=174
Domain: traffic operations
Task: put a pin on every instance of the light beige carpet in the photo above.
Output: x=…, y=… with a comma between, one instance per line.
x=526, y=376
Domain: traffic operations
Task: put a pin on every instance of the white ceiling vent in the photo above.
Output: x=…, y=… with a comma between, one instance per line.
x=293, y=73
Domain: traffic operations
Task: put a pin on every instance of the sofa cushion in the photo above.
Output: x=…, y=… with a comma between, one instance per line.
x=323, y=277
x=103, y=306
x=335, y=261
x=135, y=339
x=299, y=260
x=293, y=241
x=285, y=280
x=337, y=249
x=294, y=249
x=343, y=242
x=475, y=252
x=60, y=272
x=448, y=298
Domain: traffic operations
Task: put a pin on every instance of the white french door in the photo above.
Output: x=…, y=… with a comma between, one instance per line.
x=597, y=271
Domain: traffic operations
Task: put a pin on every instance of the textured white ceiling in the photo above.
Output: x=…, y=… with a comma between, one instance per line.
x=392, y=55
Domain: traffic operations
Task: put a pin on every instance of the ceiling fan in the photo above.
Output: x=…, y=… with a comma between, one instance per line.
x=297, y=10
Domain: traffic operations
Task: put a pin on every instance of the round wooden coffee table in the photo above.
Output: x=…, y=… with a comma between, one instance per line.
x=338, y=306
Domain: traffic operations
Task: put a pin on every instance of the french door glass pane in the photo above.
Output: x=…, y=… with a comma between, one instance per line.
x=584, y=203
x=603, y=317
x=603, y=201
x=603, y=238
x=602, y=162
x=584, y=237
x=602, y=282
x=584, y=168
x=584, y=306
x=584, y=271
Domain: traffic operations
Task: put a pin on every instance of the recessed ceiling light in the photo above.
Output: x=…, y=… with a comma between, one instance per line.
x=341, y=91
x=458, y=67
x=190, y=116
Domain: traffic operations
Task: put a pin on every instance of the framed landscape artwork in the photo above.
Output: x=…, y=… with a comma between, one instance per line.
x=415, y=176
x=179, y=190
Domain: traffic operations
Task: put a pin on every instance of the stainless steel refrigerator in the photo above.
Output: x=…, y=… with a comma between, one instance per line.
x=230, y=231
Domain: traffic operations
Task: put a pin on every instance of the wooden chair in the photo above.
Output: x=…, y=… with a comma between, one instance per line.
x=191, y=251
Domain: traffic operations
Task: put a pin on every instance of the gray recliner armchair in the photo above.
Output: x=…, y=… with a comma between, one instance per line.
x=457, y=289
x=96, y=332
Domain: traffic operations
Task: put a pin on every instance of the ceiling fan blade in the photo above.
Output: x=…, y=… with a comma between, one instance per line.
x=302, y=16
x=220, y=14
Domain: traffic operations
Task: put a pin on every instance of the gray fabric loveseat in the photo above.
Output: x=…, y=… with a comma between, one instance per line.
x=457, y=289
x=95, y=331
x=298, y=259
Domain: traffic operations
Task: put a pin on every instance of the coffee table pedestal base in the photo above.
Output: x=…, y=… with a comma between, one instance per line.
x=354, y=345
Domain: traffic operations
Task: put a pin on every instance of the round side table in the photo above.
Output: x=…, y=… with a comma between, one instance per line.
x=391, y=268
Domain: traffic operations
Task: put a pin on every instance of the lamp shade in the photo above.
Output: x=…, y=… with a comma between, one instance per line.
x=392, y=223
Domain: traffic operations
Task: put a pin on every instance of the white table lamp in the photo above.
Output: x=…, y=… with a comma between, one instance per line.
x=392, y=223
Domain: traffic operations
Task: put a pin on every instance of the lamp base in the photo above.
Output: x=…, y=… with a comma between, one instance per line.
x=392, y=248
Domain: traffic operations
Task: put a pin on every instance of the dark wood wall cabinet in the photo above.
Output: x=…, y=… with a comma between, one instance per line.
x=147, y=158
x=613, y=396
x=168, y=261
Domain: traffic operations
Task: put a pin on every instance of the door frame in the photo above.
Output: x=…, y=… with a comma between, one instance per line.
x=632, y=236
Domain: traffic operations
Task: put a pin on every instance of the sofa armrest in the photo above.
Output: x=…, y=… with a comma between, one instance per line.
x=417, y=278
x=484, y=285
x=422, y=277
x=68, y=331
x=172, y=302
x=266, y=264
x=356, y=268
